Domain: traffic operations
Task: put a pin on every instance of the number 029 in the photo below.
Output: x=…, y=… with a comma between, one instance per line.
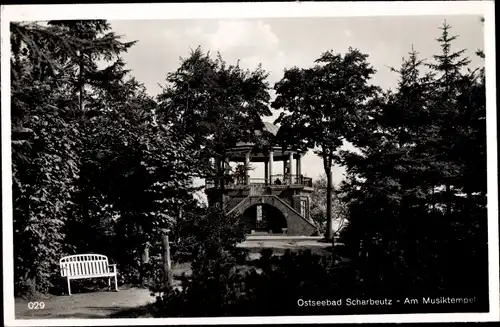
x=36, y=305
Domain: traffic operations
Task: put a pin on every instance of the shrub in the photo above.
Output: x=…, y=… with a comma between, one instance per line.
x=271, y=287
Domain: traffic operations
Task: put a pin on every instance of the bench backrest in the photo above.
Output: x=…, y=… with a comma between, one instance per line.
x=84, y=264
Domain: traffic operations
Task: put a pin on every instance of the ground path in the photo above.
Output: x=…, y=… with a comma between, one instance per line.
x=281, y=243
x=133, y=301
x=86, y=305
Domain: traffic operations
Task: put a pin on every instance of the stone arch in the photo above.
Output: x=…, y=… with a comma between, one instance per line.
x=296, y=224
x=273, y=219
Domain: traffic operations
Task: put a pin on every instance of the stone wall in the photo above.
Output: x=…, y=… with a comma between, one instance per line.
x=296, y=224
x=286, y=199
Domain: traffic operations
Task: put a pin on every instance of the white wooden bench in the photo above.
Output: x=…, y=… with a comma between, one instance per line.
x=82, y=266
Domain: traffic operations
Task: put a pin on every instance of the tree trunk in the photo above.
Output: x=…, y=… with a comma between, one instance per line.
x=222, y=176
x=329, y=191
x=144, y=263
x=167, y=267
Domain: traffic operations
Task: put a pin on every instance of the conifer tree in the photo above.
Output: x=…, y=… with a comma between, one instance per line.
x=52, y=182
x=97, y=42
x=418, y=141
x=449, y=68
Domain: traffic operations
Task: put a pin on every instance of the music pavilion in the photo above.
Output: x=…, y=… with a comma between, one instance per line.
x=274, y=203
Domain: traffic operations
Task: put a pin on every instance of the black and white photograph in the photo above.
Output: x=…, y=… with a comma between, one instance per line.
x=236, y=163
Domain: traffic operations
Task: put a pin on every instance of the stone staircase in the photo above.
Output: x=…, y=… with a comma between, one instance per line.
x=231, y=204
x=296, y=223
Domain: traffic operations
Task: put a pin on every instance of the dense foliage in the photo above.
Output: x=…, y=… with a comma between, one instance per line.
x=93, y=170
x=101, y=166
x=216, y=104
x=415, y=203
x=417, y=197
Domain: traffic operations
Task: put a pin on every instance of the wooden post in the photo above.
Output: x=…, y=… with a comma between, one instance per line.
x=167, y=265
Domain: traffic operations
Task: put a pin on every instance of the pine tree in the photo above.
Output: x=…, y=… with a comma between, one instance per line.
x=97, y=42
x=44, y=154
x=415, y=143
x=449, y=69
x=48, y=137
x=460, y=99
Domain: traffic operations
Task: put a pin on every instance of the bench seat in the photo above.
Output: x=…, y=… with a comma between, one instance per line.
x=91, y=276
x=82, y=266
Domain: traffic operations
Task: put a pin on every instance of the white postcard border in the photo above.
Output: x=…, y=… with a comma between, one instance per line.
x=240, y=11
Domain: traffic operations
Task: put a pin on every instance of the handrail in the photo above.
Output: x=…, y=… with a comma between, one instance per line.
x=276, y=180
x=293, y=210
x=239, y=204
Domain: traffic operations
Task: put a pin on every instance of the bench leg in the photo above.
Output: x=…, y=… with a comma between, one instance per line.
x=116, y=282
x=69, y=287
x=109, y=283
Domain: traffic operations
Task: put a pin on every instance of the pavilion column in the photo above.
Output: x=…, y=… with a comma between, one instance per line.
x=271, y=159
x=226, y=165
x=227, y=170
x=299, y=165
x=297, y=168
x=266, y=172
x=247, y=163
x=291, y=168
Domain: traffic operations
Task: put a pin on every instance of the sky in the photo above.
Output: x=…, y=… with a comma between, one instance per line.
x=279, y=43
